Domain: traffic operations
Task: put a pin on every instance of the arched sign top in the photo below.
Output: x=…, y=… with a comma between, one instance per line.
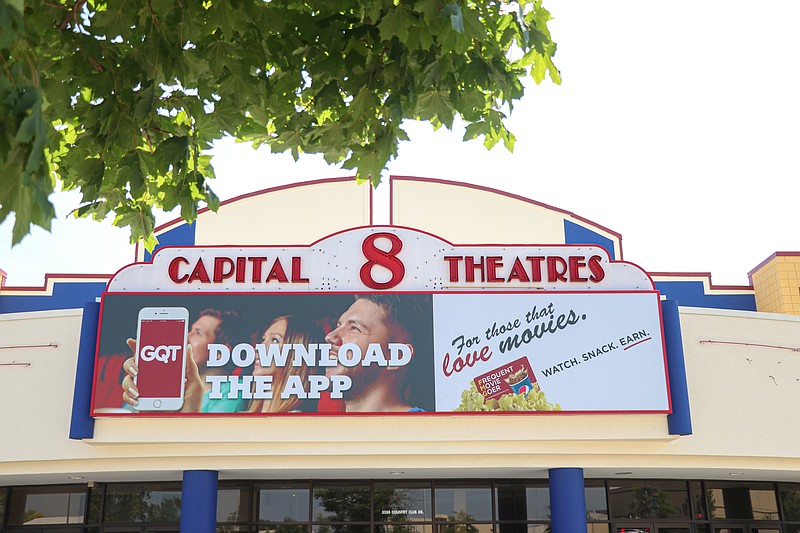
x=380, y=258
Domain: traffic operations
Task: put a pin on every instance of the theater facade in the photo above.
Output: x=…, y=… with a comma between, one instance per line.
x=482, y=363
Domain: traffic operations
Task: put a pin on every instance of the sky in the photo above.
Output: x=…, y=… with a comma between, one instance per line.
x=677, y=125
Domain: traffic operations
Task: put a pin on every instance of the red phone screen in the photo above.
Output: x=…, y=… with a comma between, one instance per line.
x=161, y=352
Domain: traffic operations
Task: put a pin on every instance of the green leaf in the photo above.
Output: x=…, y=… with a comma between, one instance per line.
x=436, y=104
x=398, y=22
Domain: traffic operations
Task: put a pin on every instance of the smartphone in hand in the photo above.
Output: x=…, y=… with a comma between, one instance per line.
x=161, y=358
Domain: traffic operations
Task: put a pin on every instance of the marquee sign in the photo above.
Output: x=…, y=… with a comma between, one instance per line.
x=380, y=320
x=380, y=258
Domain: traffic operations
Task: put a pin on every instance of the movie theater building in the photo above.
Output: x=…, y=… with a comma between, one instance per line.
x=479, y=362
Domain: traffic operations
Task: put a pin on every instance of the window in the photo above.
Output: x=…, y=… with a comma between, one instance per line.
x=47, y=505
x=233, y=503
x=740, y=500
x=145, y=503
x=790, y=501
x=596, y=504
x=283, y=503
x=341, y=502
x=402, y=502
x=463, y=503
x=648, y=499
x=522, y=502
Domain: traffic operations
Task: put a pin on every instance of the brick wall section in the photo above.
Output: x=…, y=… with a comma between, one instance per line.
x=776, y=282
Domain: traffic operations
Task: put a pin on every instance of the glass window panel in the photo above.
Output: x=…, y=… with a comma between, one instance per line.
x=522, y=502
x=512, y=528
x=463, y=504
x=338, y=528
x=232, y=528
x=598, y=528
x=793, y=528
x=674, y=529
x=46, y=505
x=649, y=499
x=341, y=503
x=3, y=492
x=402, y=502
x=596, y=504
x=404, y=528
x=284, y=503
x=742, y=500
x=143, y=502
x=283, y=528
x=233, y=504
x=698, y=500
x=764, y=503
x=538, y=501
x=511, y=504
x=95, y=504
x=539, y=528
x=445, y=527
x=765, y=530
x=790, y=500
x=728, y=530
x=701, y=528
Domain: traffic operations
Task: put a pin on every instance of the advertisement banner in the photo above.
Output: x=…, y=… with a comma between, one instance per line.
x=334, y=352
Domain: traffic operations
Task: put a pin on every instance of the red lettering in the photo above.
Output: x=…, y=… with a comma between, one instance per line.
x=471, y=266
x=576, y=263
x=174, y=268
x=493, y=262
x=199, y=273
x=220, y=270
x=376, y=256
x=518, y=272
x=297, y=277
x=277, y=272
x=453, y=261
x=257, y=263
x=241, y=267
x=596, y=268
x=469, y=361
x=536, y=267
x=556, y=269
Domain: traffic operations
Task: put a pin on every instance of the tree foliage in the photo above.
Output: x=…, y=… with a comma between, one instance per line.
x=122, y=99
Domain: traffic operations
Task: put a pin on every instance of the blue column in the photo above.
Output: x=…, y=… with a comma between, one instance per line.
x=82, y=424
x=199, y=501
x=680, y=421
x=567, y=500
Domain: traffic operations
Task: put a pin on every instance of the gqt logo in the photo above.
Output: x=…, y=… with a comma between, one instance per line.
x=161, y=353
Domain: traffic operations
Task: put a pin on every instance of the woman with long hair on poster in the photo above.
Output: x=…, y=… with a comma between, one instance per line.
x=283, y=330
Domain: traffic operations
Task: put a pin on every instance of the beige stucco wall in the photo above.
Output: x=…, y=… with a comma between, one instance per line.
x=742, y=400
x=298, y=214
x=463, y=214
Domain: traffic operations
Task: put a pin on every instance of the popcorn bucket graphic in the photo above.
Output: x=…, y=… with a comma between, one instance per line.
x=522, y=387
x=520, y=382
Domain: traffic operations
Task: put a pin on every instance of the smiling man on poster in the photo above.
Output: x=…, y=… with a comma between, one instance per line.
x=379, y=319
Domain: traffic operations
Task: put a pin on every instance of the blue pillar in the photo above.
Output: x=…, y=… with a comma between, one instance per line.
x=680, y=421
x=82, y=424
x=199, y=501
x=567, y=500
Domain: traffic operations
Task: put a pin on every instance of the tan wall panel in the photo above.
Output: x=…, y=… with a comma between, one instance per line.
x=464, y=215
x=293, y=215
